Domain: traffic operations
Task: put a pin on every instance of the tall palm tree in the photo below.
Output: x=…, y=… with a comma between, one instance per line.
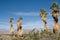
x=43, y=15
x=11, y=28
x=55, y=14
x=19, y=24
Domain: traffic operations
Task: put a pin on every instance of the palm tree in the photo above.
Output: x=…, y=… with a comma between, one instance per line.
x=11, y=28
x=19, y=29
x=55, y=14
x=43, y=15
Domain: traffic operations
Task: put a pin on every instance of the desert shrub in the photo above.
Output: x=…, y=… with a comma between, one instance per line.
x=34, y=35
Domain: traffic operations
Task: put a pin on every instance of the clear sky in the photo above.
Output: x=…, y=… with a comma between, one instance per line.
x=28, y=9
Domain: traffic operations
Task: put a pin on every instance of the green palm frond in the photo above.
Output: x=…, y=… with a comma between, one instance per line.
x=54, y=6
x=11, y=19
x=20, y=18
x=43, y=12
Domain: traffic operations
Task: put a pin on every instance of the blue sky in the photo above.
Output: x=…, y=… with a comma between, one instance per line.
x=28, y=9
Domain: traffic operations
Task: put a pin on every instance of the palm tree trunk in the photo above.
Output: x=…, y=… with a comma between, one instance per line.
x=19, y=30
x=11, y=30
x=45, y=25
x=20, y=33
x=56, y=25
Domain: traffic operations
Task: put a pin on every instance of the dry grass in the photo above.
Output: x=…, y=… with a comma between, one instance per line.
x=32, y=35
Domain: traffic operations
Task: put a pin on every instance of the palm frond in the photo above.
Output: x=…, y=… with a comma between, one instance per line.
x=43, y=12
x=11, y=19
x=20, y=18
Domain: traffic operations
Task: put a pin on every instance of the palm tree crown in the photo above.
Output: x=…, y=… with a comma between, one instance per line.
x=55, y=7
x=11, y=19
x=20, y=19
x=43, y=12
